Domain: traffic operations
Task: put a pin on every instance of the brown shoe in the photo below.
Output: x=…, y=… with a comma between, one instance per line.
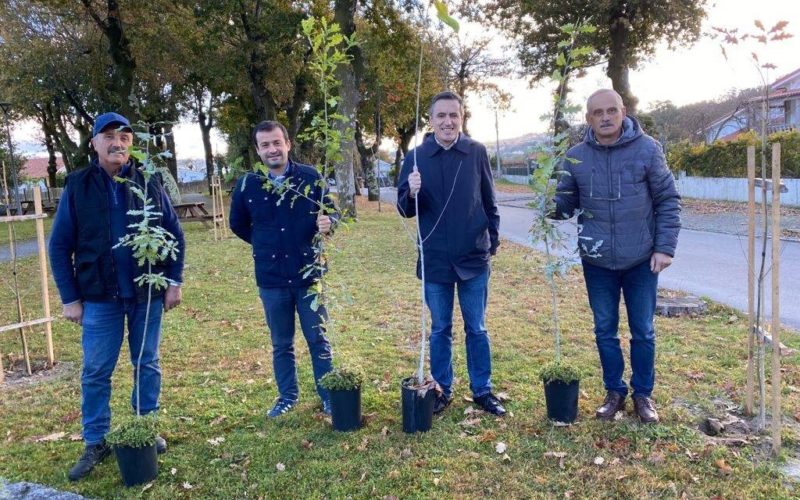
x=613, y=403
x=645, y=410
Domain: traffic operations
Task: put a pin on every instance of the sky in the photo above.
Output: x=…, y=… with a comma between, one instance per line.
x=683, y=76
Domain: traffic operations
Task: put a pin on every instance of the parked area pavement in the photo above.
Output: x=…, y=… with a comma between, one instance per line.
x=711, y=259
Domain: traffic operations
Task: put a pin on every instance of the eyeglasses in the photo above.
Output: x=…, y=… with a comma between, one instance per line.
x=601, y=198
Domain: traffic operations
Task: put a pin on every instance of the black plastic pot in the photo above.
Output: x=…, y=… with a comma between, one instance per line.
x=346, y=410
x=562, y=400
x=417, y=411
x=137, y=465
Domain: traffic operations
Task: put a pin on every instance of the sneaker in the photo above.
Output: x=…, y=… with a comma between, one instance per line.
x=441, y=403
x=326, y=407
x=92, y=455
x=490, y=404
x=161, y=445
x=281, y=406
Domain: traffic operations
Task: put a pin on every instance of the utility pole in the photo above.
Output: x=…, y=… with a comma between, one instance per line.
x=497, y=144
x=6, y=106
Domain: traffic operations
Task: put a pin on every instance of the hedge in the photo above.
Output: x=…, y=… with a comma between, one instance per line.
x=729, y=158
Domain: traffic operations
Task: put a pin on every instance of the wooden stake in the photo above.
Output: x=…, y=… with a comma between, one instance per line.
x=751, y=274
x=218, y=208
x=48, y=327
x=777, y=414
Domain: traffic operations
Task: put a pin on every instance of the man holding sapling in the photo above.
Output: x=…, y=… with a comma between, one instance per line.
x=451, y=178
x=630, y=221
x=282, y=215
x=95, y=278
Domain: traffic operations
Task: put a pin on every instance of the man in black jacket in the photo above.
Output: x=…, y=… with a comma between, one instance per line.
x=450, y=177
x=95, y=278
x=280, y=214
x=630, y=221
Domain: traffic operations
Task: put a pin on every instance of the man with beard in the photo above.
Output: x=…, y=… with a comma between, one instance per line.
x=280, y=214
x=95, y=279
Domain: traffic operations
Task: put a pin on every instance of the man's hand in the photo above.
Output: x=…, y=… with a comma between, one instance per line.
x=73, y=312
x=323, y=224
x=172, y=297
x=659, y=262
x=414, y=183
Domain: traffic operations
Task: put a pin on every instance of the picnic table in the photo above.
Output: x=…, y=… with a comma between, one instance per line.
x=26, y=205
x=193, y=212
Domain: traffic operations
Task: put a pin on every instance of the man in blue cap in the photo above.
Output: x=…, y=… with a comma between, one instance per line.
x=95, y=279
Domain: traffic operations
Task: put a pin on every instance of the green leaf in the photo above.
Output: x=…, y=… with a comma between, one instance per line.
x=444, y=16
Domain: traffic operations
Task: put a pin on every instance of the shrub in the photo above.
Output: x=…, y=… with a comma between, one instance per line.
x=134, y=431
x=342, y=379
x=729, y=158
x=559, y=371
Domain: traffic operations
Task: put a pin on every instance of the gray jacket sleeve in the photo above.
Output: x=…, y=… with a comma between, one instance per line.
x=566, y=197
x=666, y=204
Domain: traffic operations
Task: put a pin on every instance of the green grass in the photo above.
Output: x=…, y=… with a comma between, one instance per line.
x=23, y=231
x=218, y=384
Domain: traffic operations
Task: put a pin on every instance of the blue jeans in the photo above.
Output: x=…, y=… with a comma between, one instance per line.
x=280, y=305
x=639, y=286
x=472, y=295
x=103, y=333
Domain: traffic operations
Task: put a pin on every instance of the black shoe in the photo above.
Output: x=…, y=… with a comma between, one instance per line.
x=161, y=445
x=614, y=402
x=441, y=403
x=92, y=455
x=490, y=404
x=645, y=410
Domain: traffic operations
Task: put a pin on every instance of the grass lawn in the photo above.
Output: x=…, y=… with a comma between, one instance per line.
x=23, y=231
x=506, y=186
x=218, y=385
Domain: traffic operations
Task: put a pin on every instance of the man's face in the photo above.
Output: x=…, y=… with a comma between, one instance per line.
x=273, y=148
x=446, y=120
x=112, y=146
x=604, y=114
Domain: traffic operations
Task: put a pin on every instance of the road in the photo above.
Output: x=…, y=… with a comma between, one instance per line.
x=706, y=264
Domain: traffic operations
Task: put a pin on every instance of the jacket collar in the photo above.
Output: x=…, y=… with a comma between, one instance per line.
x=432, y=145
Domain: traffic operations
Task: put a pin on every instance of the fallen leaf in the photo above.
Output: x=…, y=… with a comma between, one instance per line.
x=696, y=375
x=385, y=431
x=307, y=444
x=506, y=458
x=470, y=422
x=599, y=460
x=488, y=436
x=363, y=445
x=656, y=458
x=280, y=467
x=393, y=474
x=436, y=481
x=406, y=453
x=469, y=410
x=474, y=454
x=173, y=471
x=50, y=437
x=467, y=398
x=187, y=486
x=147, y=486
x=502, y=396
x=216, y=441
x=723, y=467
x=500, y=447
x=615, y=461
x=363, y=476
x=217, y=420
x=75, y=437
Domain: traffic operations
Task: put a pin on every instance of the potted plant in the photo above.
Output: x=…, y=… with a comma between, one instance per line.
x=419, y=393
x=134, y=438
x=344, y=388
x=561, y=379
x=134, y=443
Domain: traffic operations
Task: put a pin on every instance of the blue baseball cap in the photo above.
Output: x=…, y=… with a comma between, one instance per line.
x=105, y=120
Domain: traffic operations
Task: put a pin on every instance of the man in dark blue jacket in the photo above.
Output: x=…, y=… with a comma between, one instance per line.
x=95, y=279
x=281, y=216
x=450, y=177
x=630, y=222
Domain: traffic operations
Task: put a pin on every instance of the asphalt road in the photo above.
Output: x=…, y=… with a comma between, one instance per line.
x=706, y=264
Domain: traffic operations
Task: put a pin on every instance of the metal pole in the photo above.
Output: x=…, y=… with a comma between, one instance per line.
x=6, y=106
x=497, y=144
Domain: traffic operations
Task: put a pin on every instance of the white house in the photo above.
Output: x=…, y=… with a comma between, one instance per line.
x=784, y=111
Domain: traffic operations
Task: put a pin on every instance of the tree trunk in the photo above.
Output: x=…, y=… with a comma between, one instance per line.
x=619, y=30
x=404, y=139
x=52, y=162
x=298, y=103
x=172, y=161
x=206, y=122
x=344, y=15
x=367, y=155
x=560, y=123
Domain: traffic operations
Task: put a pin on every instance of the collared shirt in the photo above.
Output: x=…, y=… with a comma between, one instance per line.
x=278, y=179
x=450, y=145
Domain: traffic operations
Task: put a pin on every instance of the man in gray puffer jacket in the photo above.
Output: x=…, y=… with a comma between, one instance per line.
x=629, y=210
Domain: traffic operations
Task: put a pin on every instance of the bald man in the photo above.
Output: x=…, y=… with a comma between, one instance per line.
x=629, y=211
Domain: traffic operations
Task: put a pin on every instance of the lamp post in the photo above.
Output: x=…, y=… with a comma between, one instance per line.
x=6, y=107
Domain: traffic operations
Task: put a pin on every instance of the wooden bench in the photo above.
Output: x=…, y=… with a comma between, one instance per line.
x=193, y=212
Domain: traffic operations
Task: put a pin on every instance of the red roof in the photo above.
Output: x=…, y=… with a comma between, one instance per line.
x=777, y=95
x=36, y=168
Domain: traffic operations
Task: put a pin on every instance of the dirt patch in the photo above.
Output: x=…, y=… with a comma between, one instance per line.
x=710, y=207
x=16, y=378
